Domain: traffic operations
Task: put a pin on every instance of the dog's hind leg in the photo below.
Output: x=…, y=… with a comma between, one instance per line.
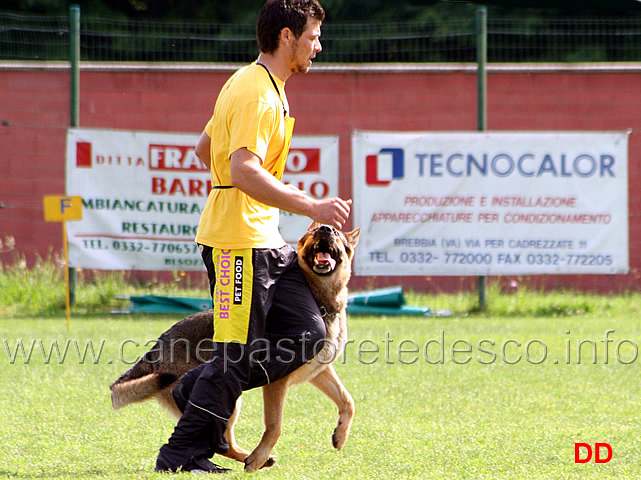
x=327, y=381
x=273, y=404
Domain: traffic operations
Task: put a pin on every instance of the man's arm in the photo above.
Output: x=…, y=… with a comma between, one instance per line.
x=203, y=149
x=248, y=175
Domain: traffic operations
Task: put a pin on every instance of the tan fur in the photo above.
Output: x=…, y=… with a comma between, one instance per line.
x=173, y=355
x=136, y=390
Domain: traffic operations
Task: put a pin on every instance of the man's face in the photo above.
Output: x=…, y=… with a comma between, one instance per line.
x=305, y=48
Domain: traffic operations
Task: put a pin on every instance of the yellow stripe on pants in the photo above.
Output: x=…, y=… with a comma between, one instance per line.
x=232, y=294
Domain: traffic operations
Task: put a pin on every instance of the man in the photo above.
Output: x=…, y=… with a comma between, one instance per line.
x=266, y=321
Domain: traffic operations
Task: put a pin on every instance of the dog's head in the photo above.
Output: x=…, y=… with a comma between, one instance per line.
x=324, y=250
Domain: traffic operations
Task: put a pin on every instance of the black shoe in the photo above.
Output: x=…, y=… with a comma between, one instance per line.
x=163, y=465
x=194, y=465
x=203, y=465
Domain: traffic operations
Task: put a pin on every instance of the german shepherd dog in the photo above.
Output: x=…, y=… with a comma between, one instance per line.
x=324, y=256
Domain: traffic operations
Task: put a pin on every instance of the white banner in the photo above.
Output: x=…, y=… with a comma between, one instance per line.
x=143, y=192
x=496, y=203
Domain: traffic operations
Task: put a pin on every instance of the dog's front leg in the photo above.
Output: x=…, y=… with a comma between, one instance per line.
x=327, y=381
x=235, y=452
x=273, y=405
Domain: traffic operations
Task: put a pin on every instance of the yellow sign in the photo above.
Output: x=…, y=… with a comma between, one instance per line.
x=61, y=209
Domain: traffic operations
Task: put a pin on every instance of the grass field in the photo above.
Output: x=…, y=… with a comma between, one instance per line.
x=501, y=395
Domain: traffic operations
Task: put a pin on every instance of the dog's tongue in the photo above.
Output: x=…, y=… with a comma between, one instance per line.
x=324, y=258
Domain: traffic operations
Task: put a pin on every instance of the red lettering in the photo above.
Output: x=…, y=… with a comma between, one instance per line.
x=319, y=189
x=577, y=453
x=158, y=186
x=174, y=157
x=176, y=186
x=597, y=452
x=316, y=189
x=196, y=187
x=303, y=160
x=597, y=449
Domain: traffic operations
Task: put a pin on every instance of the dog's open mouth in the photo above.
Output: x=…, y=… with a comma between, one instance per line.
x=324, y=263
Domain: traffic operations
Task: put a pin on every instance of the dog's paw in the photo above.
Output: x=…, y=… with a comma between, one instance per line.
x=339, y=438
x=255, y=462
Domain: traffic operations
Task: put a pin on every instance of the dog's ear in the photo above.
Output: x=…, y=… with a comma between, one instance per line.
x=302, y=240
x=353, y=236
x=314, y=225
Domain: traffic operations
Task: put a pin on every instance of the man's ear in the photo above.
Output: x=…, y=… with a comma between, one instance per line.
x=286, y=36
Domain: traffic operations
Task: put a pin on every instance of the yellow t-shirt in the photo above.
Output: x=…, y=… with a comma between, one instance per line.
x=248, y=114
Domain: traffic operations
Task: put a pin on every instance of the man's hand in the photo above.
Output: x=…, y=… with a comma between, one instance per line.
x=332, y=211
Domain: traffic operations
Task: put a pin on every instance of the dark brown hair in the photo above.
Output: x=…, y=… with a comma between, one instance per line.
x=278, y=14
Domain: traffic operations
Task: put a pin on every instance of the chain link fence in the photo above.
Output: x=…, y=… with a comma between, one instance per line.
x=509, y=40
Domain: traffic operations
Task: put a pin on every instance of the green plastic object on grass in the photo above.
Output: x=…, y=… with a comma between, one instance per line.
x=161, y=304
x=384, y=301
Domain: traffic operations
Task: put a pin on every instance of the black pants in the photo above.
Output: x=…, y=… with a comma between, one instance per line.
x=285, y=330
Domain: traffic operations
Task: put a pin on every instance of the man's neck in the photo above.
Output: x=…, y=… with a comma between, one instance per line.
x=275, y=65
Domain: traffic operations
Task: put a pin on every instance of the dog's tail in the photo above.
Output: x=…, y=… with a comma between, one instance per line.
x=124, y=392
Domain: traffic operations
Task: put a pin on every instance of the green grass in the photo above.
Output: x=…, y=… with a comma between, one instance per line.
x=415, y=418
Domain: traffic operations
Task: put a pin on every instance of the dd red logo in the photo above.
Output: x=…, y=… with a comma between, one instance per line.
x=597, y=453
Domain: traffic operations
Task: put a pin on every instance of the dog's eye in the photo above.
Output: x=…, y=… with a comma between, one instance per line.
x=337, y=233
